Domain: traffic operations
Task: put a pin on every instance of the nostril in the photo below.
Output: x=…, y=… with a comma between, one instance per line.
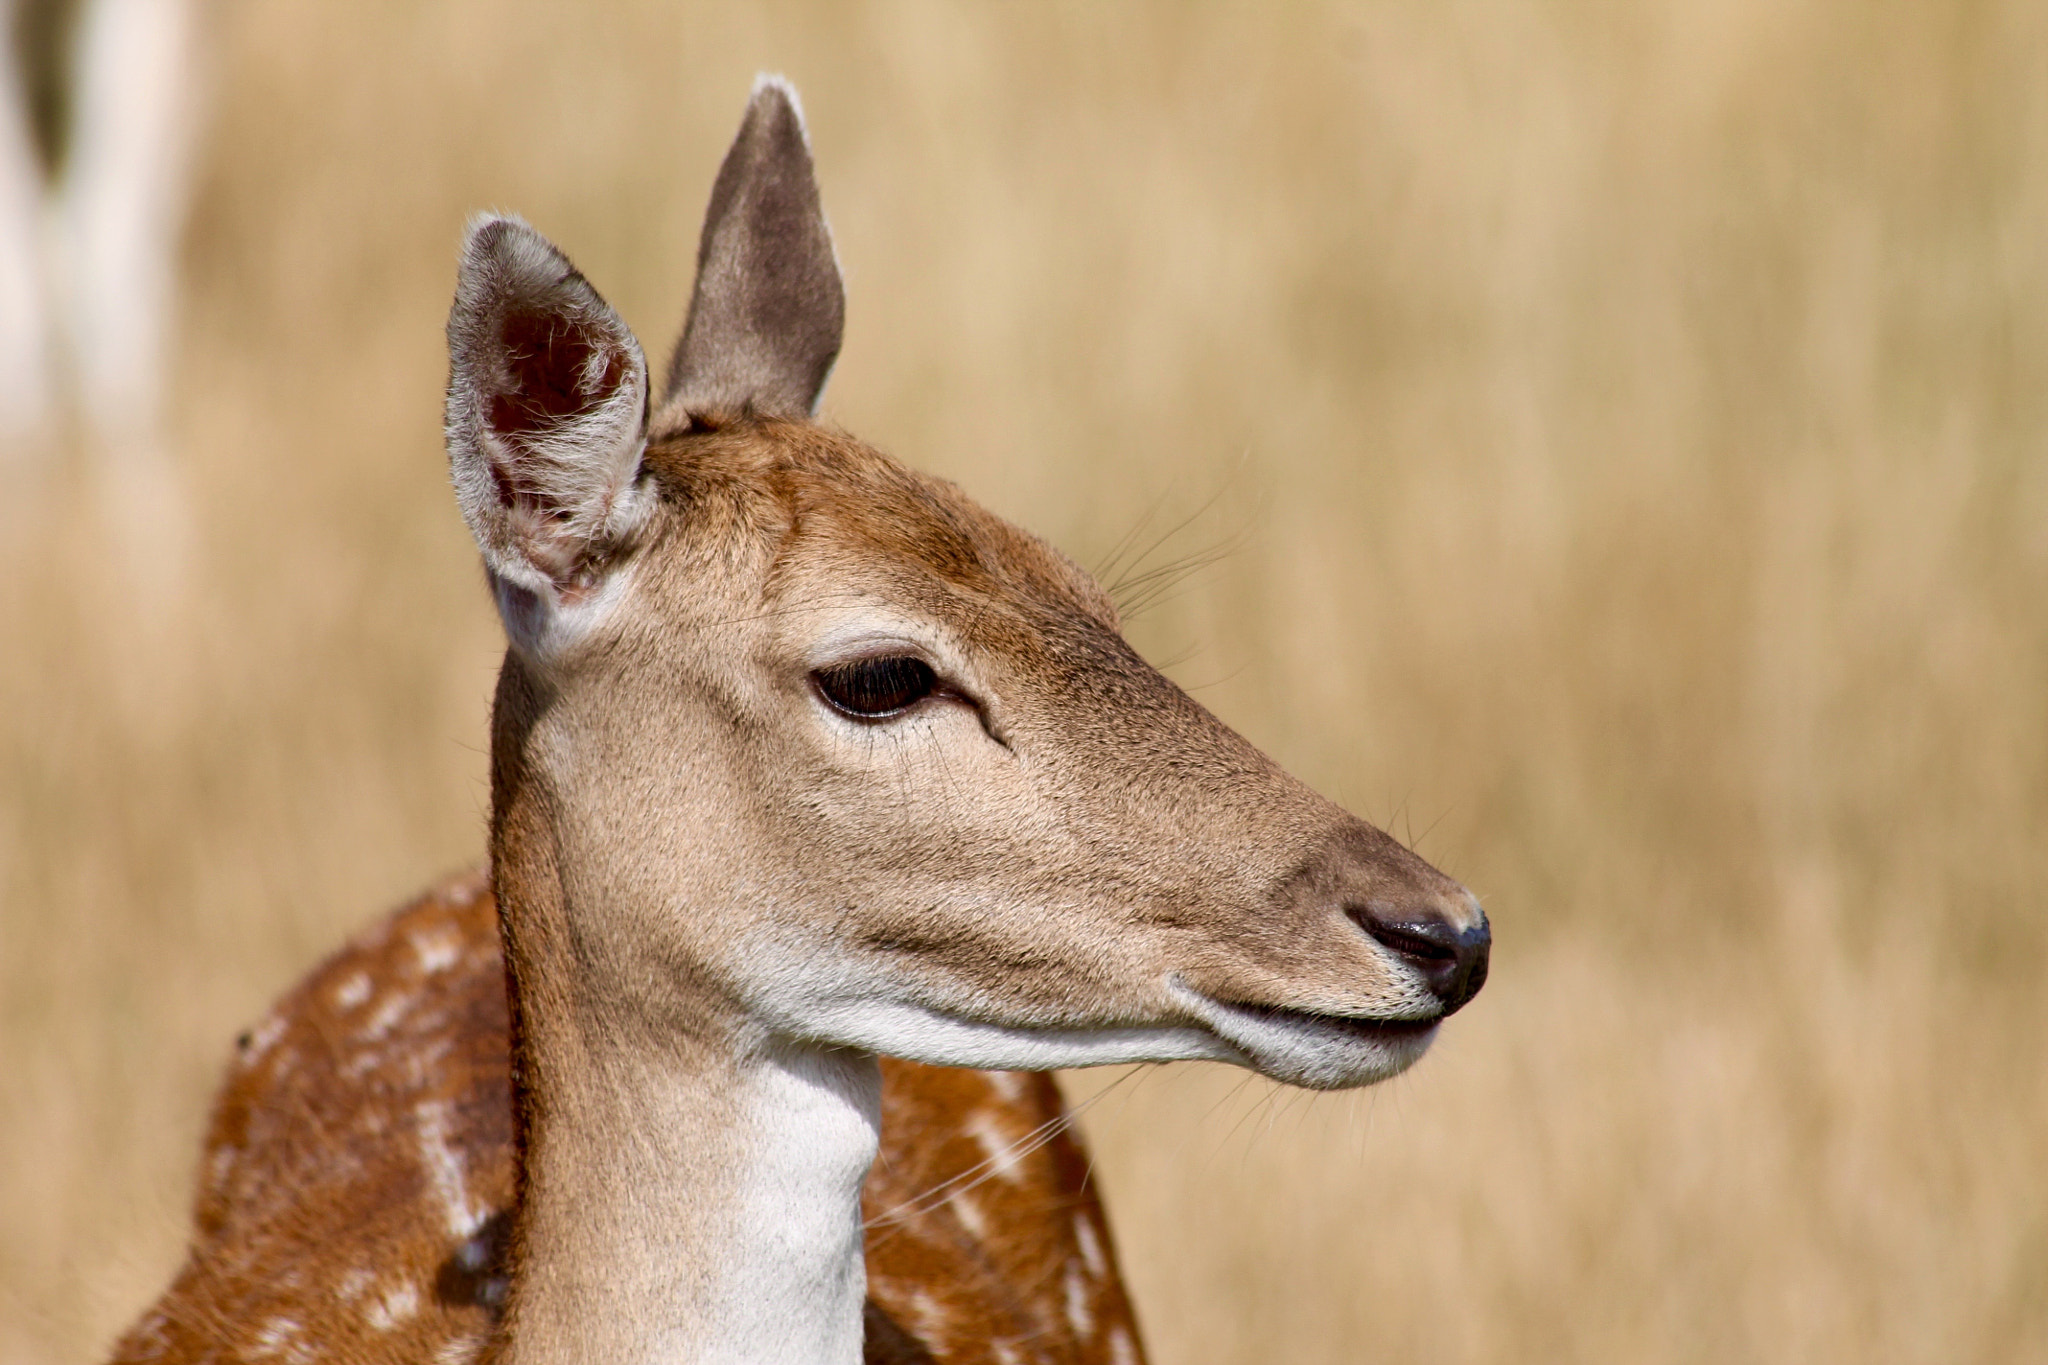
x=1451, y=962
x=1426, y=941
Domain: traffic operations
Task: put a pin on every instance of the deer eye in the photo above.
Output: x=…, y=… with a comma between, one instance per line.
x=875, y=688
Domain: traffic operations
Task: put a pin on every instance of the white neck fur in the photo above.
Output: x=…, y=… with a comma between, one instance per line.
x=704, y=1215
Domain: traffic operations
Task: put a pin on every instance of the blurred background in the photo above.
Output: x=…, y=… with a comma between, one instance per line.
x=1612, y=445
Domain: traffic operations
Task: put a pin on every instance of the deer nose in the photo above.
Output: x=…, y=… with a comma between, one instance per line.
x=1451, y=961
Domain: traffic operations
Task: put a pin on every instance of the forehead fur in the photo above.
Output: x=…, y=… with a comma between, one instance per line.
x=827, y=499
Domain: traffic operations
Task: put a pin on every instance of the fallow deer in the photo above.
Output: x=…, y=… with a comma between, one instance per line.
x=799, y=758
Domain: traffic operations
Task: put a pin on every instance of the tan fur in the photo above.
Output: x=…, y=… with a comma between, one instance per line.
x=724, y=887
x=1065, y=845
x=1127, y=827
x=371, y=1111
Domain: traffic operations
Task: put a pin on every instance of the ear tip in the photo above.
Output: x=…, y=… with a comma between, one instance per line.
x=773, y=83
x=505, y=246
x=495, y=236
x=775, y=94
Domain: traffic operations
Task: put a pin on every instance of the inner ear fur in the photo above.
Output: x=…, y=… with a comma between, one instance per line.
x=769, y=309
x=547, y=413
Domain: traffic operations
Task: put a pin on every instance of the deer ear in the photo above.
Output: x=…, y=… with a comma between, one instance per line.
x=768, y=311
x=547, y=419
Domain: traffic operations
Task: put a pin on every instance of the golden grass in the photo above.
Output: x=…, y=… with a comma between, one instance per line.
x=1635, y=417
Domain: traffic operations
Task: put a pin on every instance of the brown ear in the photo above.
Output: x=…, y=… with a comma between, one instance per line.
x=547, y=416
x=768, y=311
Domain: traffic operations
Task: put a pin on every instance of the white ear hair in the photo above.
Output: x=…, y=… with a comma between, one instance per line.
x=546, y=423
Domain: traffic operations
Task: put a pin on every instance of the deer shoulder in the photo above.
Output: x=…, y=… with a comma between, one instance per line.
x=359, y=1173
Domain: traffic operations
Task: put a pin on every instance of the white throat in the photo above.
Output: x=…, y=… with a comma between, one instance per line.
x=793, y=1281
x=702, y=1215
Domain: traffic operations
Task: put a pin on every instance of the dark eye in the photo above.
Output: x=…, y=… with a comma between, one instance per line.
x=874, y=688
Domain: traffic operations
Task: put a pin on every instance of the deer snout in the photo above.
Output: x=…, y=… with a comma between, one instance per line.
x=1450, y=959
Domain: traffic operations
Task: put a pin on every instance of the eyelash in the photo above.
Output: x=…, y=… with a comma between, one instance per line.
x=876, y=689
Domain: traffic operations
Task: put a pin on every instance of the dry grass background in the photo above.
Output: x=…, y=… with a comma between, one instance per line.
x=1630, y=425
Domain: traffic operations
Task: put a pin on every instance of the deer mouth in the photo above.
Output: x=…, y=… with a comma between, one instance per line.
x=1312, y=1048
x=1355, y=1026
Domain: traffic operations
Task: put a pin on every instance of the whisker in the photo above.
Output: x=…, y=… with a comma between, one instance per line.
x=1136, y=589
x=1114, y=560
x=985, y=1170
x=1416, y=846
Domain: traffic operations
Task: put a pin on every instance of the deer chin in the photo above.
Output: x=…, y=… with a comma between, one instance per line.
x=1311, y=1049
x=1320, y=1051
x=920, y=1033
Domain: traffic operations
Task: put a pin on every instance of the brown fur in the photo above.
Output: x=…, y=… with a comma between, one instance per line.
x=320, y=1233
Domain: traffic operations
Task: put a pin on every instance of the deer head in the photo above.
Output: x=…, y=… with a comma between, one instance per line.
x=795, y=747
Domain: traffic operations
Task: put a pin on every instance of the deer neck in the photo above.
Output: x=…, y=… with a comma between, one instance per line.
x=689, y=1184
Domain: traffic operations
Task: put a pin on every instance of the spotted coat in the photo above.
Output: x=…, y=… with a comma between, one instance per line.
x=357, y=1179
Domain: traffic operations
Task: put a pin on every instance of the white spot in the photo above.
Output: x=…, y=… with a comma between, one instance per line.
x=474, y=1256
x=265, y=1034
x=1006, y=1354
x=930, y=1318
x=353, y=1284
x=1079, y=1311
x=1091, y=1246
x=445, y=1169
x=221, y=1164
x=389, y=1013
x=996, y=1145
x=969, y=1214
x=274, y=1337
x=458, y=1351
x=1122, y=1350
x=474, y=1253
x=396, y=1306
x=353, y=991
x=437, y=951
x=1008, y=1087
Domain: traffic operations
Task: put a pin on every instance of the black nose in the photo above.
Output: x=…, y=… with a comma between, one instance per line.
x=1450, y=961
